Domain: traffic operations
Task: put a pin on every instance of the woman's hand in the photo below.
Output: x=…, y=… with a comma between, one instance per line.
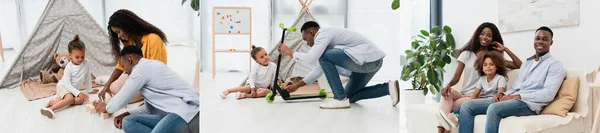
x=105, y=89
x=499, y=46
x=445, y=91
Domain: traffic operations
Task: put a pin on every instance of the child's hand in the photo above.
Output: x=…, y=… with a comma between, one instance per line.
x=498, y=97
x=83, y=96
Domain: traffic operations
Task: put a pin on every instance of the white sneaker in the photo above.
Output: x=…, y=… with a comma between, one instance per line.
x=394, y=91
x=442, y=121
x=335, y=104
x=450, y=119
x=47, y=112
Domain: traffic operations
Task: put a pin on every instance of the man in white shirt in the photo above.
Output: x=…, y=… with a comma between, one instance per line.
x=337, y=49
x=170, y=103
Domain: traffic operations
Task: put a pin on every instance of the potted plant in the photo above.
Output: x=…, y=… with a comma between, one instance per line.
x=430, y=53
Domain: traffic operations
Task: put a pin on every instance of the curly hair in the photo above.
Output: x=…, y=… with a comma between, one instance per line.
x=131, y=24
x=76, y=44
x=474, y=44
x=497, y=59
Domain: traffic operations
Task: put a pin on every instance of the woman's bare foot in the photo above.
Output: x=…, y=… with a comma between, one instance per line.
x=224, y=94
x=241, y=95
x=51, y=102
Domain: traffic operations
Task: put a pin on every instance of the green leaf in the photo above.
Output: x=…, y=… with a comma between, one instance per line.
x=409, y=53
x=420, y=60
x=183, y=1
x=422, y=37
x=432, y=76
x=435, y=29
x=424, y=32
x=395, y=4
x=195, y=4
x=447, y=29
x=432, y=44
x=415, y=44
x=432, y=89
x=450, y=40
x=425, y=91
x=447, y=58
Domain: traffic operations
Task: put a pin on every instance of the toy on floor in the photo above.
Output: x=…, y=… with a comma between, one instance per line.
x=92, y=109
x=277, y=88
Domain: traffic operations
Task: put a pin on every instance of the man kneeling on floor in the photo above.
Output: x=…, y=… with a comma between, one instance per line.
x=535, y=87
x=171, y=105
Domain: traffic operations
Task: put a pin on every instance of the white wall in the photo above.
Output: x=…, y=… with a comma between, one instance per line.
x=8, y=19
x=389, y=29
x=174, y=19
x=261, y=10
x=32, y=11
x=574, y=46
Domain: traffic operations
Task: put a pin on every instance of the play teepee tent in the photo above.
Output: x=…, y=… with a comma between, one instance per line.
x=60, y=22
x=288, y=67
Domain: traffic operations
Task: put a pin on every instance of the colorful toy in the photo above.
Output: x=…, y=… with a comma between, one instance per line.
x=277, y=88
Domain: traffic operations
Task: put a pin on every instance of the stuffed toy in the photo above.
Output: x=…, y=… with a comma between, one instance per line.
x=61, y=59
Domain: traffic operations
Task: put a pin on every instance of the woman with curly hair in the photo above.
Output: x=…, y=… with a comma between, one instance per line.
x=126, y=27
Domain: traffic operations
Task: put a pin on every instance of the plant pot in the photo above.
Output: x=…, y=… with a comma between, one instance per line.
x=413, y=96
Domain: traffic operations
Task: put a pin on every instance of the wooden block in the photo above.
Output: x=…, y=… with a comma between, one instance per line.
x=104, y=115
x=93, y=110
x=88, y=107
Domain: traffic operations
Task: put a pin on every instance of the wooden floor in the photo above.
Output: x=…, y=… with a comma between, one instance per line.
x=17, y=115
x=257, y=116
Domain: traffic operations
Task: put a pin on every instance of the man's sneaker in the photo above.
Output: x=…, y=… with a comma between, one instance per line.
x=394, y=91
x=335, y=104
x=47, y=112
x=450, y=118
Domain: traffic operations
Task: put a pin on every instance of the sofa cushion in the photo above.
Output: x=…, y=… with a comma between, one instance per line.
x=529, y=124
x=565, y=98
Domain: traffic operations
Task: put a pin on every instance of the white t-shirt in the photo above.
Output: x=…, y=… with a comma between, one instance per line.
x=74, y=76
x=262, y=76
x=489, y=89
x=533, y=65
x=470, y=77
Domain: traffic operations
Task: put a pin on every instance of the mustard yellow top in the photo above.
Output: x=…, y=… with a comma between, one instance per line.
x=153, y=48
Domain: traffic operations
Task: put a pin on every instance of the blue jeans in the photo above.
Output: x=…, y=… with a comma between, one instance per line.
x=494, y=112
x=170, y=123
x=361, y=75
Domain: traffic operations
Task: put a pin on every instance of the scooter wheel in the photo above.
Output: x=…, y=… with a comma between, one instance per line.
x=270, y=98
x=323, y=94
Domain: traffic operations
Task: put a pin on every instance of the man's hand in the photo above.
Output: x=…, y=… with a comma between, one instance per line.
x=283, y=49
x=291, y=88
x=497, y=97
x=118, y=121
x=511, y=97
x=100, y=107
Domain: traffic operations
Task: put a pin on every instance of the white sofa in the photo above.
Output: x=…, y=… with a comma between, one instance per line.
x=420, y=118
